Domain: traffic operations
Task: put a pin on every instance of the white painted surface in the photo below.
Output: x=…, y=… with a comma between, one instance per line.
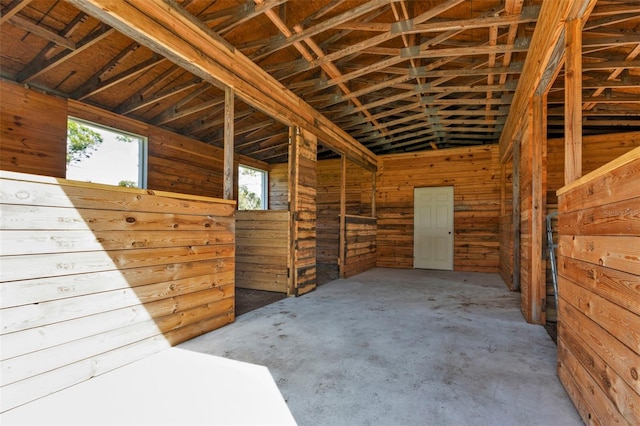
x=433, y=228
x=173, y=387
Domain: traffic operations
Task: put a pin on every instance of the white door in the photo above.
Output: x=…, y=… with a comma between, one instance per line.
x=433, y=228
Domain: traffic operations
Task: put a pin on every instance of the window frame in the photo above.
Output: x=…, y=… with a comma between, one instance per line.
x=264, y=195
x=143, y=148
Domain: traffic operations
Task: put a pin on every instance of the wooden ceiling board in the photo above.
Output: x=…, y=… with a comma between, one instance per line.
x=397, y=75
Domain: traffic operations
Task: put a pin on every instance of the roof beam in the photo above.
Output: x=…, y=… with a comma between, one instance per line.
x=168, y=29
x=546, y=37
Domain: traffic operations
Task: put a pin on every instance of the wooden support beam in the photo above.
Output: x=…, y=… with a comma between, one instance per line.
x=40, y=31
x=547, y=35
x=302, y=209
x=538, y=146
x=14, y=7
x=166, y=28
x=343, y=212
x=516, y=215
x=228, y=143
x=573, y=102
x=43, y=62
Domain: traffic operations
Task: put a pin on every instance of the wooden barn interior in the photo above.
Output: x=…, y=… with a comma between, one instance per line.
x=528, y=111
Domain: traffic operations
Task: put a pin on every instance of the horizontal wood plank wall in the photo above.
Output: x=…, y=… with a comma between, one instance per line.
x=262, y=250
x=358, y=195
x=360, y=244
x=475, y=175
x=34, y=134
x=599, y=288
x=32, y=139
x=279, y=186
x=597, y=150
x=93, y=277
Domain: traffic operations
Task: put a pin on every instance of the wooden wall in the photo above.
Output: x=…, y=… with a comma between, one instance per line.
x=475, y=175
x=358, y=195
x=34, y=134
x=328, y=214
x=506, y=224
x=279, y=186
x=262, y=249
x=93, y=277
x=302, y=201
x=33, y=141
x=360, y=245
x=597, y=150
x=599, y=287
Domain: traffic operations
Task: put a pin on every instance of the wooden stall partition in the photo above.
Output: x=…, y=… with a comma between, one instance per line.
x=599, y=288
x=262, y=250
x=302, y=201
x=93, y=277
x=360, y=244
x=474, y=173
x=597, y=150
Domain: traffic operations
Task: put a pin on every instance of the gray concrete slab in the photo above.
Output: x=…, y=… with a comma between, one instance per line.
x=403, y=347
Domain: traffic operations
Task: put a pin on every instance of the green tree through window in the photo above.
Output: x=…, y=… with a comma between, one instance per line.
x=251, y=188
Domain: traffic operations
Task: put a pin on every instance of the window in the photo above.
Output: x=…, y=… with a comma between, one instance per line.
x=100, y=154
x=252, y=189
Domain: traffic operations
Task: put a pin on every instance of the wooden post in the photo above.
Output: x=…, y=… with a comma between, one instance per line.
x=573, y=102
x=538, y=143
x=302, y=208
x=343, y=211
x=516, y=214
x=503, y=189
x=373, y=193
x=228, y=143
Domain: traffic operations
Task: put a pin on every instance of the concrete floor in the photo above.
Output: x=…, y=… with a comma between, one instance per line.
x=403, y=347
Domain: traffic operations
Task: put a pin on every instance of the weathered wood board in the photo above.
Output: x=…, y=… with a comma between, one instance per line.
x=599, y=289
x=475, y=175
x=262, y=250
x=93, y=277
x=302, y=201
x=360, y=244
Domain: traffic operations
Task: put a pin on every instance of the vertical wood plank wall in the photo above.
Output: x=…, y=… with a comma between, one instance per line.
x=475, y=175
x=93, y=277
x=599, y=288
x=262, y=250
x=302, y=199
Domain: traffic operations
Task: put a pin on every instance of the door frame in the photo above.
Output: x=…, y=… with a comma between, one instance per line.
x=450, y=267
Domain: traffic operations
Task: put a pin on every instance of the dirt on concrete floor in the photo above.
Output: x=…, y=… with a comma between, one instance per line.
x=247, y=300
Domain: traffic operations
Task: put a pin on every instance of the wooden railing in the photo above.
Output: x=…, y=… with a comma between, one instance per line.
x=93, y=277
x=599, y=292
x=262, y=248
x=360, y=244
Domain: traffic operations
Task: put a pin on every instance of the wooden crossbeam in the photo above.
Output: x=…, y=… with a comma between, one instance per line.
x=547, y=35
x=40, y=31
x=166, y=28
